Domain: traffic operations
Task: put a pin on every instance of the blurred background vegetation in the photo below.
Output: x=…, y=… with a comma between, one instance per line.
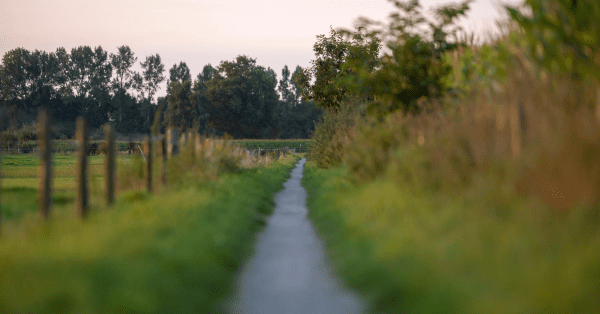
x=238, y=97
x=176, y=250
x=457, y=174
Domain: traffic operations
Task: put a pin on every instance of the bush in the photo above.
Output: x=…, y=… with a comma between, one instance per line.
x=330, y=136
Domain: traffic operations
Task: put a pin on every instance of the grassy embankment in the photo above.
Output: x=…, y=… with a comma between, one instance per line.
x=485, y=251
x=174, y=252
x=486, y=202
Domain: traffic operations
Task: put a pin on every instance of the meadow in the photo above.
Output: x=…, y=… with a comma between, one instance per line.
x=176, y=250
x=19, y=182
x=300, y=145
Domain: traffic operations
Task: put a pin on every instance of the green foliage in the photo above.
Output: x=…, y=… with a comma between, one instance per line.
x=88, y=72
x=563, y=34
x=287, y=96
x=130, y=173
x=152, y=74
x=242, y=99
x=418, y=251
x=295, y=117
x=300, y=145
x=202, y=102
x=370, y=152
x=12, y=139
x=329, y=137
x=478, y=69
x=455, y=210
x=336, y=59
x=178, y=73
x=122, y=63
x=180, y=111
x=414, y=67
x=81, y=83
x=176, y=252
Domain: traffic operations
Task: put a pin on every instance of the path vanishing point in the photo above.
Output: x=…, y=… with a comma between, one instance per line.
x=288, y=272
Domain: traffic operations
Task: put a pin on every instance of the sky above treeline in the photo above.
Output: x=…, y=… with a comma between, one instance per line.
x=275, y=32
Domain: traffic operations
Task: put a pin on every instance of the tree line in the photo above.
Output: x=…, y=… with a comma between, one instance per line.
x=237, y=97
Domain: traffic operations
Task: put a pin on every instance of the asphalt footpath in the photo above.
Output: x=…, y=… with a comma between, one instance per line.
x=288, y=272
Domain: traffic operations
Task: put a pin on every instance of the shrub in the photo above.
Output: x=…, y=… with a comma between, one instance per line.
x=330, y=135
x=415, y=66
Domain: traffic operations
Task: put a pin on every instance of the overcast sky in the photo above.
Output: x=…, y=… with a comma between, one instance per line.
x=275, y=32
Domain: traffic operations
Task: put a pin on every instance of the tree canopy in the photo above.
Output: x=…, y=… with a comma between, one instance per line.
x=238, y=97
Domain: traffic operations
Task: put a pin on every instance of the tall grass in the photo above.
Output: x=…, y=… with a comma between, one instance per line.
x=486, y=202
x=174, y=252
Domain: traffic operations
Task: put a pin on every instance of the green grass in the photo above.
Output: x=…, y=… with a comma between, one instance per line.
x=300, y=145
x=176, y=252
x=485, y=250
x=19, y=183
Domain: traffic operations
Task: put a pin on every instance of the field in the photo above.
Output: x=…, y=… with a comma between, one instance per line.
x=176, y=251
x=58, y=146
x=19, y=183
x=299, y=145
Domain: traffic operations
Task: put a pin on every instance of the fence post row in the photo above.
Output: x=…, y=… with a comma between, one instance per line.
x=148, y=153
x=45, y=175
x=109, y=164
x=163, y=152
x=81, y=201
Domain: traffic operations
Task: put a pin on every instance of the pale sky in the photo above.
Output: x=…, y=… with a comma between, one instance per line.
x=275, y=32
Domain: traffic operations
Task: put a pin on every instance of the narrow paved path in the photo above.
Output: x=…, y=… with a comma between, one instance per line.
x=288, y=272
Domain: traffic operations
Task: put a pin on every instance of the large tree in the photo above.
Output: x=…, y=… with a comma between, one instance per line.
x=295, y=117
x=243, y=99
x=414, y=67
x=88, y=77
x=121, y=63
x=178, y=73
x=148, y=83
x=180, y=111
x=87, y=70
x=201, y=102
x=29, y=80
x=284, y=88
x=15, y=76
x=330, y=69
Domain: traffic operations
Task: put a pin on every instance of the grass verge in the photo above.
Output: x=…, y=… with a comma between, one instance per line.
x=171, y=253
x=486, y=250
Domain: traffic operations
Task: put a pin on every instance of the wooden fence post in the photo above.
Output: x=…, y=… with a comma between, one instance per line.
x=81, y=135
x=109, y=165
x=148, y=153
x=45, y=164
x=197, y=144
x=172, y=142
x=183, y=140
x=163, y=153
